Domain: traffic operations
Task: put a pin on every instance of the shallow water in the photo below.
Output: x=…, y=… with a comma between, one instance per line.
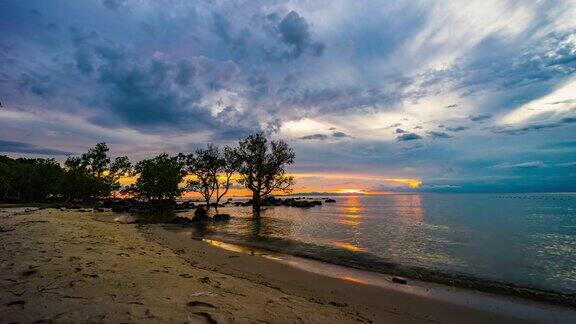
x=524, y=239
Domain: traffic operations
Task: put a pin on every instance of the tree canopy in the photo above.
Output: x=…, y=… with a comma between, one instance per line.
x=159, y=178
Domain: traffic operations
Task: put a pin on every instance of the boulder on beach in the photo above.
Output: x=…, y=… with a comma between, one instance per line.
x=200, y=215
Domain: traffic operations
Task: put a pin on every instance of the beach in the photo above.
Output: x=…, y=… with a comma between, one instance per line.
x=71, y=266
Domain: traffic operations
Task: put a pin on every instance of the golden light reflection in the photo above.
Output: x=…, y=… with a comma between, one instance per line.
x=349, y=222
x=349, y=246
x=229, y=247
x=353, y=279
x=409, y=208
x=353, y=209
x=352, y=218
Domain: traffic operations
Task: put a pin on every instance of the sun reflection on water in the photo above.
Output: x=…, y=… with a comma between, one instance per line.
x=352, y=210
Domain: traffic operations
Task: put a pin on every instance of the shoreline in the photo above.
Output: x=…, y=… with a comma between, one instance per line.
x=351, y=260
x=65, y=266
x=315, y=271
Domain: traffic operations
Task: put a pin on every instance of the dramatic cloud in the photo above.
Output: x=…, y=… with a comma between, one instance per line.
x=295, y=31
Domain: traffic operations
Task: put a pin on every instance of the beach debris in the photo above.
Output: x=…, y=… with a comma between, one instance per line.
x=399, y=280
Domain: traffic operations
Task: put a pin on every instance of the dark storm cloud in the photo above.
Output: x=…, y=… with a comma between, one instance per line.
x=294, y=31
x=408, y=137
x=20, y=147
x=155, y=94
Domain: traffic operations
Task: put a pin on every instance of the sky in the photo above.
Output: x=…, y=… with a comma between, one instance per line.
x=375, y=96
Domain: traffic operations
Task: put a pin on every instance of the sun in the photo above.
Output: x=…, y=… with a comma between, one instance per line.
x=350, y=191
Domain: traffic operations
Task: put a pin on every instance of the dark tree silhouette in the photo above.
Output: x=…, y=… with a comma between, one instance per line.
x=203, y=166
x=261, y=165
x=30, y=180
x=227, y=166
x=212, y=170
x=159, y=177
x=93, y=175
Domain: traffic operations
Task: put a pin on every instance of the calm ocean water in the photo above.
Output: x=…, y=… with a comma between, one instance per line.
x=524, y=239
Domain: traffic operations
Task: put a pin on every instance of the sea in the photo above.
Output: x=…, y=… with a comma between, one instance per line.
x=527, y=240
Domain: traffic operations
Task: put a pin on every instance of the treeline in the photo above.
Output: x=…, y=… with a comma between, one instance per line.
x=256, y=163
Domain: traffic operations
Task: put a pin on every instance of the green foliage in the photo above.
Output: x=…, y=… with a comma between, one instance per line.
x=159, y=177
x=261, y=165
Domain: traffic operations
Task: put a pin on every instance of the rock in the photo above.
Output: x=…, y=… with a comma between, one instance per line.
x=200, y=215
x=399, y=280
x=221, y=217
x=329, y=200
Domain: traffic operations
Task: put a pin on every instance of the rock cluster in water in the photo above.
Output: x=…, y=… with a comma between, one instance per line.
x=136, y=207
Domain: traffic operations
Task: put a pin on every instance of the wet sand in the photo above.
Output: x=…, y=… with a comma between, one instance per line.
x=65, y=266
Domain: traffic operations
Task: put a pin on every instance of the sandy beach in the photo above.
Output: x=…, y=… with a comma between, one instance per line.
x=66, y=266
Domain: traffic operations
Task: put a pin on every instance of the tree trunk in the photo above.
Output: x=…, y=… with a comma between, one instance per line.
x=256, y=204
